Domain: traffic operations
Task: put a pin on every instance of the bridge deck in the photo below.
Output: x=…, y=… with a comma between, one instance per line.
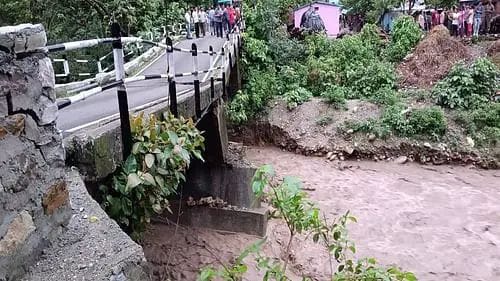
x=139, y=93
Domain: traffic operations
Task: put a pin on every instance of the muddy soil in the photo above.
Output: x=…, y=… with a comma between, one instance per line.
x=315, y=128
x=440, y=222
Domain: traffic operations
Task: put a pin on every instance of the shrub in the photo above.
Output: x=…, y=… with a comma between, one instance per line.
x=292, y=76
x=405, y=122
x=160, y=156
x=370, y=36
x=296, y=97
x=258, y=90
x=255, y=53
x=385, y=96
x=335, y=95
x=318, y=45
x=366, y=80
x=467, y=87
x=428, y=121
x=405, y=36
x=283, y=51
x=482, y=124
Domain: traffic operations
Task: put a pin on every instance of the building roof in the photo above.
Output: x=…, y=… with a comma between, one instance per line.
x=317, y=2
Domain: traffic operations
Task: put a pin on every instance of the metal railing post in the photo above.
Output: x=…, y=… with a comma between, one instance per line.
x=172, y=91
x=212, y=88
x=67, y=73
x=223, y=56
x=197, y=94
x=211, y=53
x=121, y=90
x=99, y=65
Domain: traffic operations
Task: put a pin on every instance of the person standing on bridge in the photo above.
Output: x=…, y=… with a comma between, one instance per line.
x=225, y=19
x=218, y=21
x=196, y=20
x=203, y=21
x=232, y=17
x=211, y=21
x=188, y=19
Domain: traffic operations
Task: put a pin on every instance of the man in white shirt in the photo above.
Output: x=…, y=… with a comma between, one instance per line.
x=196, y=20
x=203, y=21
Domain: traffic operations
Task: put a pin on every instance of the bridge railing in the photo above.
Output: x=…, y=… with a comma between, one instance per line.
x=220, y=63
x=83, y=67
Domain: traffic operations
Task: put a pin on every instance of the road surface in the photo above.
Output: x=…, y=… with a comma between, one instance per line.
x=105, y=104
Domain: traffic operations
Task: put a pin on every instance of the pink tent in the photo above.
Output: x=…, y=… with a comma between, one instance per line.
x=329, y=12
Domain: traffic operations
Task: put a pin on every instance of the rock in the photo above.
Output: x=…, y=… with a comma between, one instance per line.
x=372, y=137
x=3, y=132
x=401, y=160
x=14, y=124
x=329, y=154
x=470, y=142
x=46, y=73
x=53, y=154
x=349, y=150
x=57, y=196
x=350, y=131
x=31, y=129
x=427, y=145
x=333, y=157
x=49, y=111
x=23, y=38
x=342, y=158
x=17, y=232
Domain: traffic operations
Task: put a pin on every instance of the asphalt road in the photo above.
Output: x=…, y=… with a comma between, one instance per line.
x=105, y=104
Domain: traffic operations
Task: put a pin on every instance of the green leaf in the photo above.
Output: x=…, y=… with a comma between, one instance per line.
x=172, y=136
x=150, y=160
x=149, y=178
x=130, y=165
x=197, y=154
x=133, y=180
x=136, y=147
x=162, y=172
x=160, y=181
x=157, y=208
x=341, y=268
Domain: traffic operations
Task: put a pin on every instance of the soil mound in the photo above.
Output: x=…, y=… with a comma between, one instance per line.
x=432, y=59
x=494, y=53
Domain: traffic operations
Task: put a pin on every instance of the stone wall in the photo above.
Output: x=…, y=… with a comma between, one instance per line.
x=34, y=199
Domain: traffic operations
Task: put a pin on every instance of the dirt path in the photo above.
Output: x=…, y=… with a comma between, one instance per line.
x=442, y=223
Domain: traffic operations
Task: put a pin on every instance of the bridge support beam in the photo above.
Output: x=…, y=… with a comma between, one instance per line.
x=216, y=139
x=234, y=83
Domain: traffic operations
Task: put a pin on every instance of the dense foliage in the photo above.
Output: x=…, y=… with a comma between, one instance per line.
x=160, y=155
x=404, y=37
x=468, y=86
x=482, y=123
x=302, y=217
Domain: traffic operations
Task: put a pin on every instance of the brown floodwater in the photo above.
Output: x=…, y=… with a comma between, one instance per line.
x=440, y=222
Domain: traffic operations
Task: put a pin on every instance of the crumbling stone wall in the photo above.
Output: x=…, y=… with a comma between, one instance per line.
x=34, y=199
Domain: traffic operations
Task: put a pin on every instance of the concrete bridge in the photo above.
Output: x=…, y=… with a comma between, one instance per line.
x=38, y=201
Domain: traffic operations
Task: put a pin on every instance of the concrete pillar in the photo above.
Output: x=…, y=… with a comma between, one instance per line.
x=234, y=78
x=216, y=139
x=34, y=204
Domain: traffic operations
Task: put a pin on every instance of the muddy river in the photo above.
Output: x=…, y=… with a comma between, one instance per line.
x=440, y=222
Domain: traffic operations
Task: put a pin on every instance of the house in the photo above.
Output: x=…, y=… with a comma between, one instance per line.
x=329, y=12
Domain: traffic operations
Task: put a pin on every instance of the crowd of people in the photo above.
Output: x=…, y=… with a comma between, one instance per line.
x=463, y=21
x=215, y=21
